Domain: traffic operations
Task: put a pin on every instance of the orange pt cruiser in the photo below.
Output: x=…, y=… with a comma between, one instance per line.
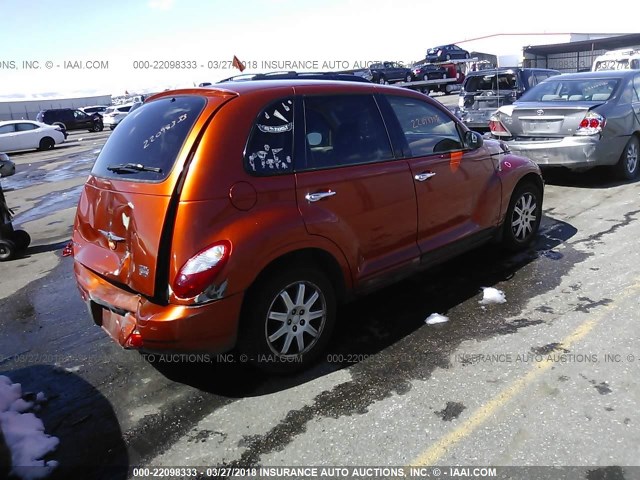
x=240, y=215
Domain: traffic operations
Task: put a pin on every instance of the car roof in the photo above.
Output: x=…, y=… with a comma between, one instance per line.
x=491, y=71
x=7, y=122
x=319, y=86
x=602, y=74
x=292, y=75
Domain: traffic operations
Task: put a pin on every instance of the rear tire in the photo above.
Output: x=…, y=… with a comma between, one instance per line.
x=408, y=78
x=523, y=217
x=382, y=80
x=46, y=143
x=8, y=250
x=288, y=320
x=627, y=167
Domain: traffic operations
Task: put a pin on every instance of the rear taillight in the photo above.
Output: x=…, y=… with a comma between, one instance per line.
x=497, y=128
x=134, y=340
x=199, y=271
x=591, y=124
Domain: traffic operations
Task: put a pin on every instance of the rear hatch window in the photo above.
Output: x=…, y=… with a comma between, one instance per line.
x=146, y=143
x=489, y=91
x=490, y=82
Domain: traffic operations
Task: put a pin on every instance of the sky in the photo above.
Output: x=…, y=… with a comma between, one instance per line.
x=118, y=37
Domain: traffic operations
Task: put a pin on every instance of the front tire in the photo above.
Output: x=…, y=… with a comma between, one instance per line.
x=382, y=81
x=523, y=217
x=289, y=320
x=627, y=167
x=408, y=78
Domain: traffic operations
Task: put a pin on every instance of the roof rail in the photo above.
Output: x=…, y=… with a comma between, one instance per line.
x=289, y=75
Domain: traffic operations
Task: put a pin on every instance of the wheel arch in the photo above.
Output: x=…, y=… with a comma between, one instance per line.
x=532, y=178
x=308, y=257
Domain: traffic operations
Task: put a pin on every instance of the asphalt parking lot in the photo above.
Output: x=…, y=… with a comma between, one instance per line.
x=549, y=378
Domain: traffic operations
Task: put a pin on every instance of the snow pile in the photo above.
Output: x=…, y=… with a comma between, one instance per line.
x=24, y=433
x=492, y=295
x=436, y=318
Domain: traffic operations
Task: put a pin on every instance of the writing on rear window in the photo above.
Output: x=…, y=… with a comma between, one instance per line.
x=169, y=126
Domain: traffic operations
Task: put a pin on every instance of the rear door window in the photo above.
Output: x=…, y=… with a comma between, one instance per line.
x=343, y=130
x=151, y=137
x=23, y=127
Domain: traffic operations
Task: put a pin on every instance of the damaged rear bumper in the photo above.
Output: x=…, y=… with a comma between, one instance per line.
x=177, y=328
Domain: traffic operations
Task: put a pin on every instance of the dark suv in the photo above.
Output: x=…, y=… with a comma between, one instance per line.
x=484, y=91
x=242, y=213
x=388, y=72
x=71, y=119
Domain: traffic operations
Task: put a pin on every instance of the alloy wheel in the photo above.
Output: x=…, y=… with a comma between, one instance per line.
x=632, y=157
x=524, y=218
x=296, y=318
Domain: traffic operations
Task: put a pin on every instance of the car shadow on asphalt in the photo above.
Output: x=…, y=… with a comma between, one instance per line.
x=49, y=247
x=376, y=322
x=91, y=444
x=597, y=177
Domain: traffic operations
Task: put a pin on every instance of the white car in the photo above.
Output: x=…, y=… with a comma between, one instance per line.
x=99, y=109
x=112, y=116
x=27, y=134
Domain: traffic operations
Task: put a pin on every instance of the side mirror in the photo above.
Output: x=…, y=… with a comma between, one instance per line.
x=473, y=140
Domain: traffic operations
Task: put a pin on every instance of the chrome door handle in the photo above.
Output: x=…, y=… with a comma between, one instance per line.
x=421, y=177
x=314, y=197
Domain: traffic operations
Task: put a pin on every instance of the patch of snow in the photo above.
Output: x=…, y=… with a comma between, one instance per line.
x=436, y=318
x=24, y=433
x=492, y=295
x=73, y=369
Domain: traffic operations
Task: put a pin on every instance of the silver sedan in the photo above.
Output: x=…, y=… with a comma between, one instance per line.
x=578, y=121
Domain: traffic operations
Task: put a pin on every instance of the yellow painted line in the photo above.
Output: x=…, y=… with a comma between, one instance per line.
x=432, y=455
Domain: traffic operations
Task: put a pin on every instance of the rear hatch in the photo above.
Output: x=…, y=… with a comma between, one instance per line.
x=123, y=210
x=547, y=119
x=489, y=91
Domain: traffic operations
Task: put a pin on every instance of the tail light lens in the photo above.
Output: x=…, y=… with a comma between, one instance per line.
x=200, y=271
x=135, y=340
x=497, y=128
x=591, y=124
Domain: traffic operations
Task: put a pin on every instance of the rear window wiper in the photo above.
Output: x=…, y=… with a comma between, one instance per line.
x=132, y=167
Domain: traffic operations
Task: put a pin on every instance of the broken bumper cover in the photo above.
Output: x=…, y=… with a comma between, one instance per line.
x=177, y=328
x=575, y=152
